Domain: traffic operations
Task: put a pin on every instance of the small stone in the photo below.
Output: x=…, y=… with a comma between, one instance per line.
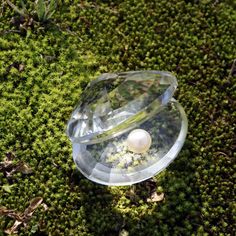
x=156, y=197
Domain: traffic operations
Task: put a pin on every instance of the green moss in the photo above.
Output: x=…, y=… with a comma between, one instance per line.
x=43, y=71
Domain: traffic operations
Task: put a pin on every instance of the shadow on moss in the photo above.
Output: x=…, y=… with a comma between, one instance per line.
x=109, y=210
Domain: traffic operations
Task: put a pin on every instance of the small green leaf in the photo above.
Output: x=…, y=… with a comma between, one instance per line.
x=51, y=9
x=52, y=6
x=23, y=6
x=15, y=8
x=34, y=229
x=49, y=14
x=7, y=188
x=41, y=9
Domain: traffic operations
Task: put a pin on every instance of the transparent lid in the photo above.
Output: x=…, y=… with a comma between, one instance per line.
x=116, y=102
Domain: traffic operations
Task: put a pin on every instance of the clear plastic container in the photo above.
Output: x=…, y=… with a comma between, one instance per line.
x=110, y=108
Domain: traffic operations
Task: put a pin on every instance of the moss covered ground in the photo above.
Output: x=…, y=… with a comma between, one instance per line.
x=44, y=67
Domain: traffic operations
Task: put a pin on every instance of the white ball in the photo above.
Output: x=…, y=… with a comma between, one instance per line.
x=139, y=141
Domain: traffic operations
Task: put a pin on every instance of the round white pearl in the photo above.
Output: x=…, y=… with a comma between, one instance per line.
x=139, y=141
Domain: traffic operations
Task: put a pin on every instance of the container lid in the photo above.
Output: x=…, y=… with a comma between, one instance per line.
x=116, y=102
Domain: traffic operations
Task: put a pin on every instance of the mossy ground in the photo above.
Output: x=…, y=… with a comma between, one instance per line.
x=43, y=71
